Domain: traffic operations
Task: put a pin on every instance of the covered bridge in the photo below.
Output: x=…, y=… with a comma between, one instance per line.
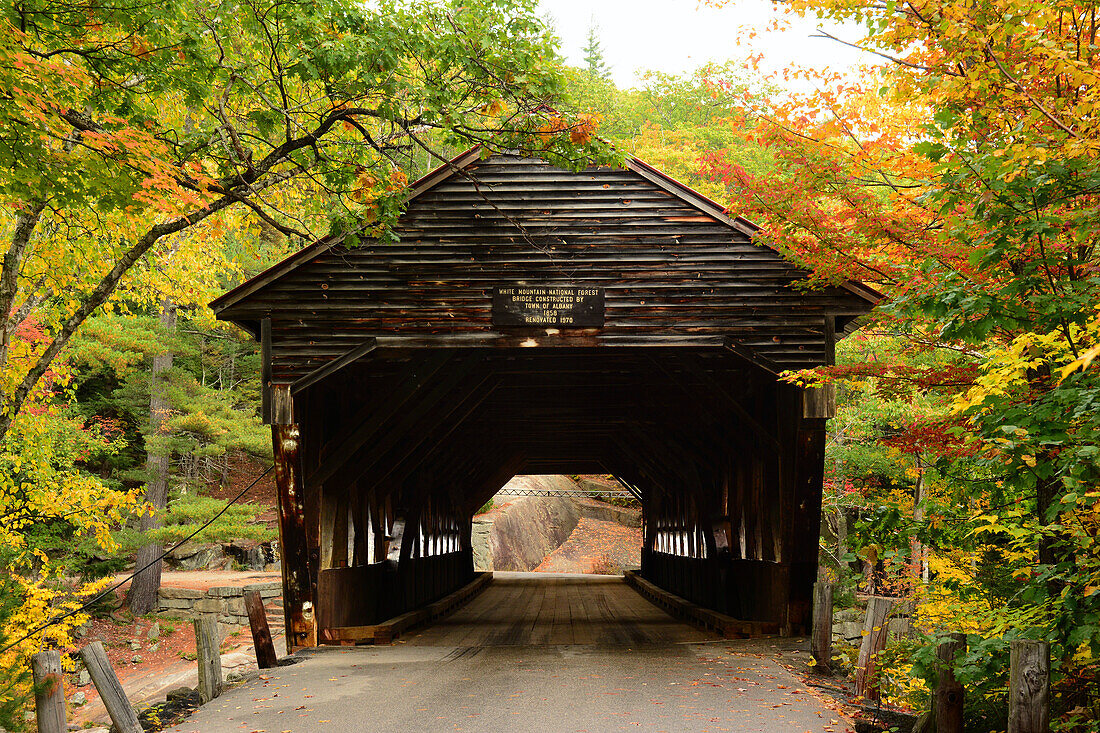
x=535, y=320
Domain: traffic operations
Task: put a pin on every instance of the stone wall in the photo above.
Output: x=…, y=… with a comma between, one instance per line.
x=848, y=625
x=226, y=603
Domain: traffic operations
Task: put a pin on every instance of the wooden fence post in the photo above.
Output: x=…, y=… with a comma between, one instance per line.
x=875, y=628
x=109, y=688
x=948, y=697
x=49, y=692
x=946, y=714
x=207, y=644
x=261, y=634
x=822, y=640
x=1029, y=687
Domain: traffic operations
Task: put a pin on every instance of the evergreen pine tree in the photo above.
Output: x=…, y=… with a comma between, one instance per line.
x=593, y=55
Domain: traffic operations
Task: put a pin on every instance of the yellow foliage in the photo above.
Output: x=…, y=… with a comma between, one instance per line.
x=41, y=489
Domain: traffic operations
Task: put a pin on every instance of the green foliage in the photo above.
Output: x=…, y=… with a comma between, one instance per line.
x=213, y=388
x=189, y=512
x=673, y=121
x=486, y=507
x=593, y=55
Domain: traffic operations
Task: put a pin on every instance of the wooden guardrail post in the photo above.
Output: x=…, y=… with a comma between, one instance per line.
x=946, y=715
x=109, y=688
x=1029, y=687
x=875, y=628
x=949, y=697
x=261, y=633
x=207, y=644
x=49, y=692
x=822, y=640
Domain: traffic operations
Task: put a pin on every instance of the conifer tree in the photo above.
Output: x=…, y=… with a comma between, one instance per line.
x=593, y=54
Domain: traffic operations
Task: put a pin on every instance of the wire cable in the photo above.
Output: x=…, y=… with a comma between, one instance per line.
x=140, y=570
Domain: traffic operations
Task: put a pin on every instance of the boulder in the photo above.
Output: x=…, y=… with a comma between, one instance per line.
x=181, y=594
x=530, y=528
x=250, y=555
x=196, y=556
x=182, y=694
x=522, y=531
x=482, y=544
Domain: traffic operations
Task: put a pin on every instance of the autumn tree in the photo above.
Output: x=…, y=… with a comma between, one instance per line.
x=132, y=124
x=961, y=177
x=131, y=133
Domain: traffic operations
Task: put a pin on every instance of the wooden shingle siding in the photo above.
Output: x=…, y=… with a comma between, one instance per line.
x=668, y=269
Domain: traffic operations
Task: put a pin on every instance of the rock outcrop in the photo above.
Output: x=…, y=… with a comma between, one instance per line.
x=521, y=532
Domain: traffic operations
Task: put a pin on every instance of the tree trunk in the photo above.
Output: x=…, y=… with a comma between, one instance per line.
x=917, y=552
x=12, y=262
x=146, y=584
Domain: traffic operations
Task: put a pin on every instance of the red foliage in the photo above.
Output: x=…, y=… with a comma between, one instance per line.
x=939, y=438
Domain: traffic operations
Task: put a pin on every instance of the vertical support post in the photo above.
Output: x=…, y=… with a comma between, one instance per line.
x=804, y=541
x=261, y=634
x=49, y=692
x=380, y=519
x=875, y=628
x=822, y=642
x=1029, y=687
x=110, y=689
x=265, y=370
x=301, y=629
x=207, y=648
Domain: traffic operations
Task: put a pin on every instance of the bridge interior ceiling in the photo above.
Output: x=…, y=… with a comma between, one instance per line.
x=459, y=424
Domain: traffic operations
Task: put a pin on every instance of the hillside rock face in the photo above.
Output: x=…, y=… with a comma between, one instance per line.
x=521, y=532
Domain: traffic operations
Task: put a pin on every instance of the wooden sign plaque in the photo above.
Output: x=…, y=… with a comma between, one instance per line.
x=548, y=306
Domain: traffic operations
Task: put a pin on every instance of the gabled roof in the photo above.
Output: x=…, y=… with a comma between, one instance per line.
x=454, y=166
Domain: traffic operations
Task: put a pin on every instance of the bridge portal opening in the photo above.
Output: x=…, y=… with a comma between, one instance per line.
x=560, y=524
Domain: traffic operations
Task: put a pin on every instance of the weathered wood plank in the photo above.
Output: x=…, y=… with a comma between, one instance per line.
x=49, y=692
x=368, y=345
x=265, y=371
x=387, y=631
x=261, y=633
x=110, y=689
x=208, y=650
x=727, y=626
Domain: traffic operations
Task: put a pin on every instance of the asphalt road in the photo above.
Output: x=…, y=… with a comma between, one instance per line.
x=726, y=686
x=493, y=680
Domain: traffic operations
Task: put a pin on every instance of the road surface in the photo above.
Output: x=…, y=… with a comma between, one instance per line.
x=582, y=654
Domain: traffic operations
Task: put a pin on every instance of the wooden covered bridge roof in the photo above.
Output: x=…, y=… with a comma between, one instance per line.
x=676, y=270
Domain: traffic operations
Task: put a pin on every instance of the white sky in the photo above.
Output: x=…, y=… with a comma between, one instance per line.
x=676, y=36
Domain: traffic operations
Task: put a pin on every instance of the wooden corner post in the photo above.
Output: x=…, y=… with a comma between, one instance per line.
x=298, y=602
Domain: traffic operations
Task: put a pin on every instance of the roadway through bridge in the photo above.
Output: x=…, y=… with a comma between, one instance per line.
x=537, y=652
